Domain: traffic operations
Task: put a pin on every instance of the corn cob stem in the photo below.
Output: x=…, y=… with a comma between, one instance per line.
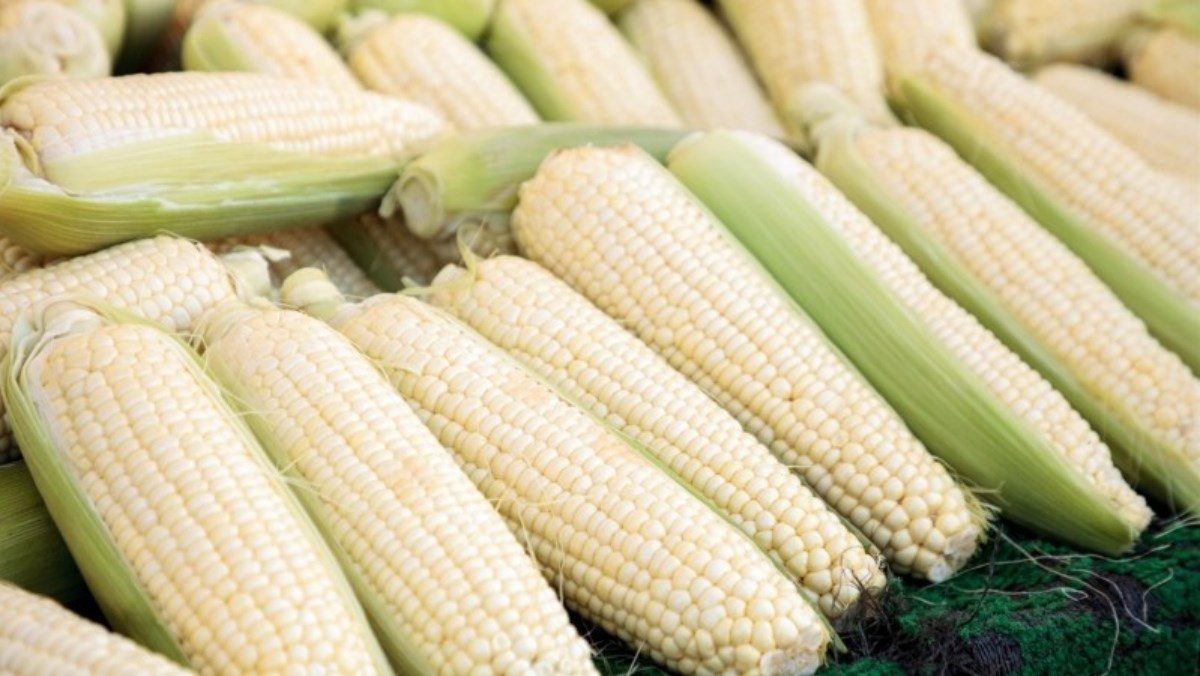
x=32, y=553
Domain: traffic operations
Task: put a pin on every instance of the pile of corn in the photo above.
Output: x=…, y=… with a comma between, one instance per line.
x=374, y=336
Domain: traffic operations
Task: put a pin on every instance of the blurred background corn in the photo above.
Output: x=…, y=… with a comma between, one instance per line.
x=46, y=37
x=470, y=17
x=1030, y=33
x=1165, y=61
x=905, y=29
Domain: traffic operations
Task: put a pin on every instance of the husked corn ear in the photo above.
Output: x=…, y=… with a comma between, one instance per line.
x=230, y=35
x=447, y=585
x=307, y=248
x=614, y=225
x=573, y=65
x=1030, y=33
x=905, y=29
x=421, y=59
x=166, y=280
x=629, y=548
x=15, y=259
x=1135, y=227
x=793, y=43
x=585, y=354
x=190, y=541
x=1166, y=61
x=388, y=251
x=1166, y=135
x=44, y=37
x=698, y=66
x=470, y=17
x=1036, y=295
x=33, y=555
x=38, y=636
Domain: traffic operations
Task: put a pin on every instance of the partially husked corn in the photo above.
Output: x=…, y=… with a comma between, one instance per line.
x=573, y=65
x=307, y=248
x=905, y=29
x=698, y=66
x=421, y=59
x=1034, y=32
x=615, y=226
x=45, y=37
x=434, y=564
x=188, y=538
x=1166, y=61
x=166, y=280
x=38, y=636
x=229, y=35
x=585, y=354
x=629, y=548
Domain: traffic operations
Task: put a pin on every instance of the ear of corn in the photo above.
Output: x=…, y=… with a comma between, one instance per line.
x=306, y=248
x=1138, y=234
x=447, y=586
x=985, y=413
x=994, y=260
x=1165, y=61
x=45, y=37
x=1030, y=33
x=38, y=636
x=145, y=470
x=203, y=154
x=574, y=66
x=629, y=547
x=388, y=252
x=32, y=553
x=698, y=66
x=473, y=177
x=590, y=358
x=619, y=229
x=470, y=17
x=229, y=35
x=423, y=60
x=905, y=29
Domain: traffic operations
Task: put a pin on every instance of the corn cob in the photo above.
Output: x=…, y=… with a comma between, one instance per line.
x=573, y=65
x=15, y=259
x=43, y=37
x=307, y=248
x=32, y=553
x=698, y=66
x=591, y=359
x=38, y=636
x=1030, y=33
x=1137, y=232
x=421, y=59
x=640, y=248
x=1021, y=282
x=229, y=35
x=793, y=43
x=628, y=546
x=413, y=534
x=189, y=540
x=204, y=154
x=469, y=17
x=905, y=29
x=163, y=279
x=1166, y=62
x=1165, y=134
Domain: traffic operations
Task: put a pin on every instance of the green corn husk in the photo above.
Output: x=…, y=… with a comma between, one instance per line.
x=470, y=17
x=32, y=553
x=1169, y=315
x=474, y=177
x=109, y=575
x=946, y=405
x=145, y=23
x=322, y=15
x=612, y=7
x=1145, y=459
x=1181, y=14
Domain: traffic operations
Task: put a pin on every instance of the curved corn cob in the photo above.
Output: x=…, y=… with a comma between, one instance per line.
x=1030, y=33
x=38, y=636
x=586, y=355
x=32, y=552
x=698, y=66
x=16, y=259
x=794, y=43
x=629, y=547
x=421, y=59
x=905, y=29
x=229, y=35
x=189, y=539
x=470, y=17
x=434, y=564
x=1033, y=292
x=1166, y=62
x=166, y=280
x=389, y=252
x=615, y=226
x=574, y=65
x=1134, y=227
x=43, y=37
x=307, y=248
x=1166, y=135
